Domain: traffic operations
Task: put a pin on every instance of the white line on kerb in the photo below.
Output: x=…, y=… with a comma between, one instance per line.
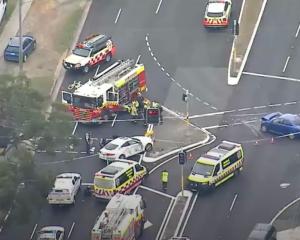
x=166, y=217
x=33, y=231
x=158, y=192
x=233, y=202
x=286, y=63
x=138, y=59
x=272, y=76
x=298, y=29
x=117, y=18
x=113, y=123
x=69, y=235
x=74, y=129
x=158, y=7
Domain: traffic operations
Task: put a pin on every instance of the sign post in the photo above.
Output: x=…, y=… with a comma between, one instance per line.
x=182, y=160
x=185, y=98
x=236, y=31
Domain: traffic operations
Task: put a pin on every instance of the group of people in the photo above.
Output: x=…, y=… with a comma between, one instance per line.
x=139, y=107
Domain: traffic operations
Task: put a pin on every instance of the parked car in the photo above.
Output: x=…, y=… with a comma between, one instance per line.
x=51, y=233
x=281, y=124
x=11, y=52
x=124, y=147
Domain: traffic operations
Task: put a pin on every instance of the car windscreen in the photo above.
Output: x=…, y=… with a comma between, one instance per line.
x=13, y=49
x=82, y=52
x=111, y=146
x=106, y=183
x=203, y=169
x=85, y=102
x=215, y=14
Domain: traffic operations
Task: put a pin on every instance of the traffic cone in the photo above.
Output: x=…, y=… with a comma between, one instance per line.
x=256, y=142
x=272, y=140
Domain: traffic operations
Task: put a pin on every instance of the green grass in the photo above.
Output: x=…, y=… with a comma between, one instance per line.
x=9, y=10
x=42, y=84
x=67, y=31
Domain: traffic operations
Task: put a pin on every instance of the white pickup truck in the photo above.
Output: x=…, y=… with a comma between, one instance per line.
x=65, y=189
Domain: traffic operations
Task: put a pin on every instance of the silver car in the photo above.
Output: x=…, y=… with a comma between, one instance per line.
x=51, y=233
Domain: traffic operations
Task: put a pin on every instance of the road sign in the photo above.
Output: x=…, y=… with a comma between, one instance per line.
x=182, y=157
x=152, y=115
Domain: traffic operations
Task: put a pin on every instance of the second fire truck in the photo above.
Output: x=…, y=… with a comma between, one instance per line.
x=107, y=93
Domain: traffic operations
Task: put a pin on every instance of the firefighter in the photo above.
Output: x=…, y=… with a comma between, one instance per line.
x=147, y=104
x=133, y=110
x=140, y=99
x=88, y=143
x=157, y=105
x=164, y=179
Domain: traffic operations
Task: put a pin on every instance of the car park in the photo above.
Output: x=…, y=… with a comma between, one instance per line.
x=124, y=147
x=217, y=13
x=51, y=233
x=11, y=52
x=65, y=188
x=281, y=124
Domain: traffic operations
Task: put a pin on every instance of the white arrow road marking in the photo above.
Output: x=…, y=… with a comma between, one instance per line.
x=284, y=185
x=147, y=224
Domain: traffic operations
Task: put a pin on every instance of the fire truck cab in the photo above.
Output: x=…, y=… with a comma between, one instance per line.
x=123, y=219
x=107, y=93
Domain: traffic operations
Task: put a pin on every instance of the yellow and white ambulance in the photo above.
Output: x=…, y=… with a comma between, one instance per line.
x=216, y=166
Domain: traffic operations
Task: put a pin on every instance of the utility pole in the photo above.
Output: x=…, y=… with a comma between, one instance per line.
x=20, y=39
x=187, y=106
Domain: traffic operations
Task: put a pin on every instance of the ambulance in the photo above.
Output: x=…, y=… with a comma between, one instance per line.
x=121, y=176
x=216, y=166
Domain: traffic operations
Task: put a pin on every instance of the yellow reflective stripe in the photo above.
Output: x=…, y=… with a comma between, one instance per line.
x=140, y=69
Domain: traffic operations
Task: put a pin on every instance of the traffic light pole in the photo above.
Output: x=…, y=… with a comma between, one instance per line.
x=187, y=106
x=182, y=180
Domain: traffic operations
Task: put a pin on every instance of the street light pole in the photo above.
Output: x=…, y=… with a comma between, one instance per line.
x=20, y=39
x=187, y=105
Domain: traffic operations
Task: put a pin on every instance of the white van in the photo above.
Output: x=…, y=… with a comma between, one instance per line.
x=3, y=5
x=65, y=189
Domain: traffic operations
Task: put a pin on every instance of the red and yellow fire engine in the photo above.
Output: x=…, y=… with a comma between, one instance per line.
x=107, y=93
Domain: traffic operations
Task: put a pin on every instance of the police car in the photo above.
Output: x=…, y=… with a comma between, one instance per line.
x=124, y=147
x=94, y=50
x=217, y=13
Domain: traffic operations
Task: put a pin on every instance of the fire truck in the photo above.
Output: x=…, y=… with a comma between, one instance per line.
x=107, y=93
x=95, y=49
x=123, y=219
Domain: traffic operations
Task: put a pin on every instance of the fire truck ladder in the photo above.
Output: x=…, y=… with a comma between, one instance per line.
x=113, y=222
x=113, y=72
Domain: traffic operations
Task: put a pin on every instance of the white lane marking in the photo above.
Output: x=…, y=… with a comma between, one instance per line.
x=33, y=231
x=138, y=59
x=165, y=219
x=155, y=59
x=259, y=107
x=117, y=18
x=158, y=63
x=158, y=7
x=206, y=103
x=214, y=108
x=168, y=74
x=233, y=202
x=147, y=224
x=244, y=109
x=188, y=215
x=290, y=103
x=172, y=79
x=148, y=45
x=286, y=63
x=230, y=125
x=157, y=192
x=74, y=129
x=271, y=76
x=284, y=185
x=147, y=37
x=113, y=123
x=71, y=230
x=151, y=54
x=162, y=68
x=249, y=114
x=298, y=29
x=275, y=105
x=178, y=84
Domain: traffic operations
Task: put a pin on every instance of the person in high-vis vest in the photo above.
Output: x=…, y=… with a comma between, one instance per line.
x=133, y=110
x=164, y=179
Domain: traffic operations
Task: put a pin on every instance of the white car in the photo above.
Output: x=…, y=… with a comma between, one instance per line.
x=65, y=189
x=124, y=147
x=51, y=233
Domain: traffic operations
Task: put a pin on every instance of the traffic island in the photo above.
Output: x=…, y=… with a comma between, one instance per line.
x=287, y=222
x=176, y=216
x=250, y=16
x=173, y=135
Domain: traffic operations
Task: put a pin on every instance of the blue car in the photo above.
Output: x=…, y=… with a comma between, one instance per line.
x=11, y=52
x=281, y=124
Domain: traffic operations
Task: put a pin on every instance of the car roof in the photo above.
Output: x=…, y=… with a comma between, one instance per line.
x=216, y=7
x=14, y=41
x=290, y=117
x=120, y=140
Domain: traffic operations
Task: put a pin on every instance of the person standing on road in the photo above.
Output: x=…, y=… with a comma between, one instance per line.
x=164, y=179
x=88, y=143
x=133, y=110
x=140, y=99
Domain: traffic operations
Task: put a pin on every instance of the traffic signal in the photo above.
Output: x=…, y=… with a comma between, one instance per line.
x=182, y=157
x=152, y=116
x=184, y=97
